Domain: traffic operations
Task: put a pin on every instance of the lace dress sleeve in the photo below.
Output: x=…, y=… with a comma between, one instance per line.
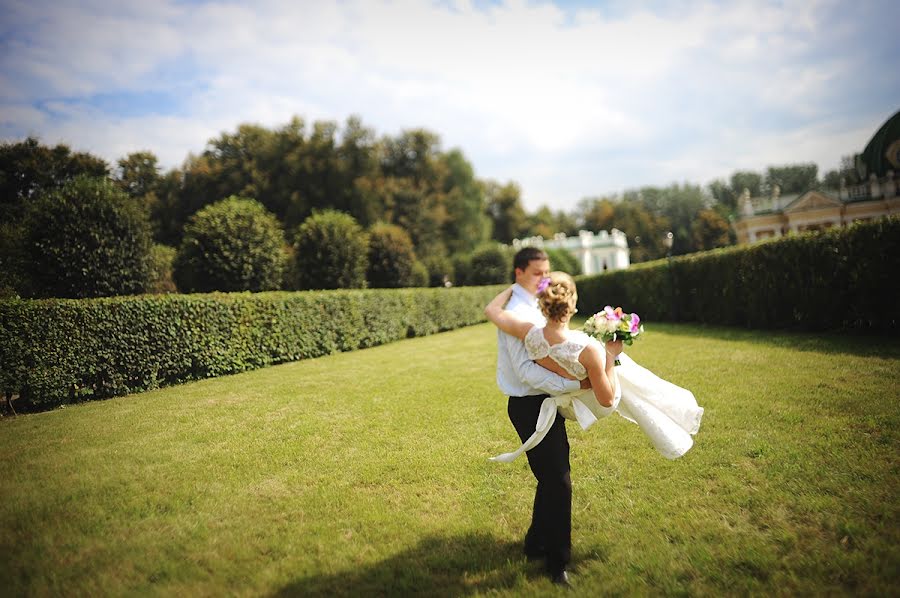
x=567, y=353
x=535, y=343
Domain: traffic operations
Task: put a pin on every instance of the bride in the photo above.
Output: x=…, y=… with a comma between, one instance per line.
x=666, y=413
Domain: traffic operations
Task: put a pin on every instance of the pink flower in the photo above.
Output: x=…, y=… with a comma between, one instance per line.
x=542, y=286
x=612, y=314
x=635, y=324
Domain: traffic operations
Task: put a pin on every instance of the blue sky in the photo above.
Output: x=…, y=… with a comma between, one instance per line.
x=569, y=99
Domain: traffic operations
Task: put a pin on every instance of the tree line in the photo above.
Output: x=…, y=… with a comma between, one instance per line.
x=420, y=211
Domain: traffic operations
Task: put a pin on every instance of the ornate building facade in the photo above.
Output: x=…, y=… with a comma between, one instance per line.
x=595, y=252
x=777, y=215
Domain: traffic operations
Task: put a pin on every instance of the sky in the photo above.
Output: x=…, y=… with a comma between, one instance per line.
x=567, y=99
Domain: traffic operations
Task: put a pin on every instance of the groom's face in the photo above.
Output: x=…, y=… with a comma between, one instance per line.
x=530, y=277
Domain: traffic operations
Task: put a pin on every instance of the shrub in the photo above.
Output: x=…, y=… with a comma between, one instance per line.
x=55, y=351
x=391, y=257
x=330, y=252
x=489, y=264
x=842, y=278
x=86, y=239
x=560, y=259
x=419, y=276
x=232, y=245
x=438, y=267
x=462, y=268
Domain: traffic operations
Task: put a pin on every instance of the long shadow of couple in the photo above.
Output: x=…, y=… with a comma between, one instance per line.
x=436, y=566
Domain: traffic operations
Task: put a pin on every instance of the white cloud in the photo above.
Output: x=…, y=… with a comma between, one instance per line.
x=568, y=104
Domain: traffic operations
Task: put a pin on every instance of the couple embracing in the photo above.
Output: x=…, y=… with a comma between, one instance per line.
x=551, y=373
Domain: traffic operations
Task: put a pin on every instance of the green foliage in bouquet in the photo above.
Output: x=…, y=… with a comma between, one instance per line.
x=56, y=351
x=844, y=278
x=232, y=245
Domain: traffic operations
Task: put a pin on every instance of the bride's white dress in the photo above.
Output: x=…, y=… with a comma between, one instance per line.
x=666, y=413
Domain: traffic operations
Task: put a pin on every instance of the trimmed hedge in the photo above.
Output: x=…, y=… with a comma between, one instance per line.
x=54, y=351
x=844, y=278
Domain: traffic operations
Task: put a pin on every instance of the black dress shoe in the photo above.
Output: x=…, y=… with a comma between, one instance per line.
x=560, y=578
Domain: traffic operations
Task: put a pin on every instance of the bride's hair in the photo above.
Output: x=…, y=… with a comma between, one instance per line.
x=557, y=301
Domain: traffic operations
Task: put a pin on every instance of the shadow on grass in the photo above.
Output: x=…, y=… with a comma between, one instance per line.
x=850, y=343
x=436, y=566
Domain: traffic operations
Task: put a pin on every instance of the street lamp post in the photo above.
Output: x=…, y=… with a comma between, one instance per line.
x=667, y=241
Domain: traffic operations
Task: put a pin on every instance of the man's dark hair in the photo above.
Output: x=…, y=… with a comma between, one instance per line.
x=526, y=255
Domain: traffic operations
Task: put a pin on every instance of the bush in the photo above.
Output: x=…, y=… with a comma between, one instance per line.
x=232, y=245
x=462, y=268
x=56, y=351
x=489, y=264
x=160, y=280
x=330, y=252
x=438, y=267
x=560, y=259
x=391, y=257
x=842, y=278
x=419, y=276
x=86, y=239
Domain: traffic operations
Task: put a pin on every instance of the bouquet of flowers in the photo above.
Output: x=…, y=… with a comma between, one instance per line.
x=613, y=324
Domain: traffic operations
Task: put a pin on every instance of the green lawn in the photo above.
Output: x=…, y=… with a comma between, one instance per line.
x=366, y=474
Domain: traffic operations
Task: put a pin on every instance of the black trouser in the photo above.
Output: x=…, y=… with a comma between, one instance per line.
x=551, y=518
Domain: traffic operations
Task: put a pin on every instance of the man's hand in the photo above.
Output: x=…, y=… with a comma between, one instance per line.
x=585, y=384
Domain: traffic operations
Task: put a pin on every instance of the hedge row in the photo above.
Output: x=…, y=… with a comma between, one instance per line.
x=845, y=278
x=54, y=351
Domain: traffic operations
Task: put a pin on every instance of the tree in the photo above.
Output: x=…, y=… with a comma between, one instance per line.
x=504, y=207
x=232, y=245
x=542, y=223
x=566, y=223
x=597, y=214
x=466, y=225
x=138, y=174
x=645, y=230
x=412, y=155
x=86, y=239
x=710, y=230
x=846, y=172
x=391, y=257
x=359, y=157
x=676, y=204
x=746, y=179
x=28, y=168
x=330, y=252
x=792, y=178
x=723, y=193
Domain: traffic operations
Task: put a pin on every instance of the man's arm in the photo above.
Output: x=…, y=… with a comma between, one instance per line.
x=534, y=375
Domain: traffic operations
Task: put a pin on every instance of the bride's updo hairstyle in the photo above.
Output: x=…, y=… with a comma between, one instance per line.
x=557, y=301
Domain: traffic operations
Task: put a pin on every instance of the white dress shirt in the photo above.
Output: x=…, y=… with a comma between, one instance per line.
x=517, y=374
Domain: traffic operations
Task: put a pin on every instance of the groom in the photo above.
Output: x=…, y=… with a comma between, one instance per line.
x=527, y=384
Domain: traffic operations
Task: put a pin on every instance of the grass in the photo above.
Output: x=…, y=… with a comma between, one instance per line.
x=366, y=474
